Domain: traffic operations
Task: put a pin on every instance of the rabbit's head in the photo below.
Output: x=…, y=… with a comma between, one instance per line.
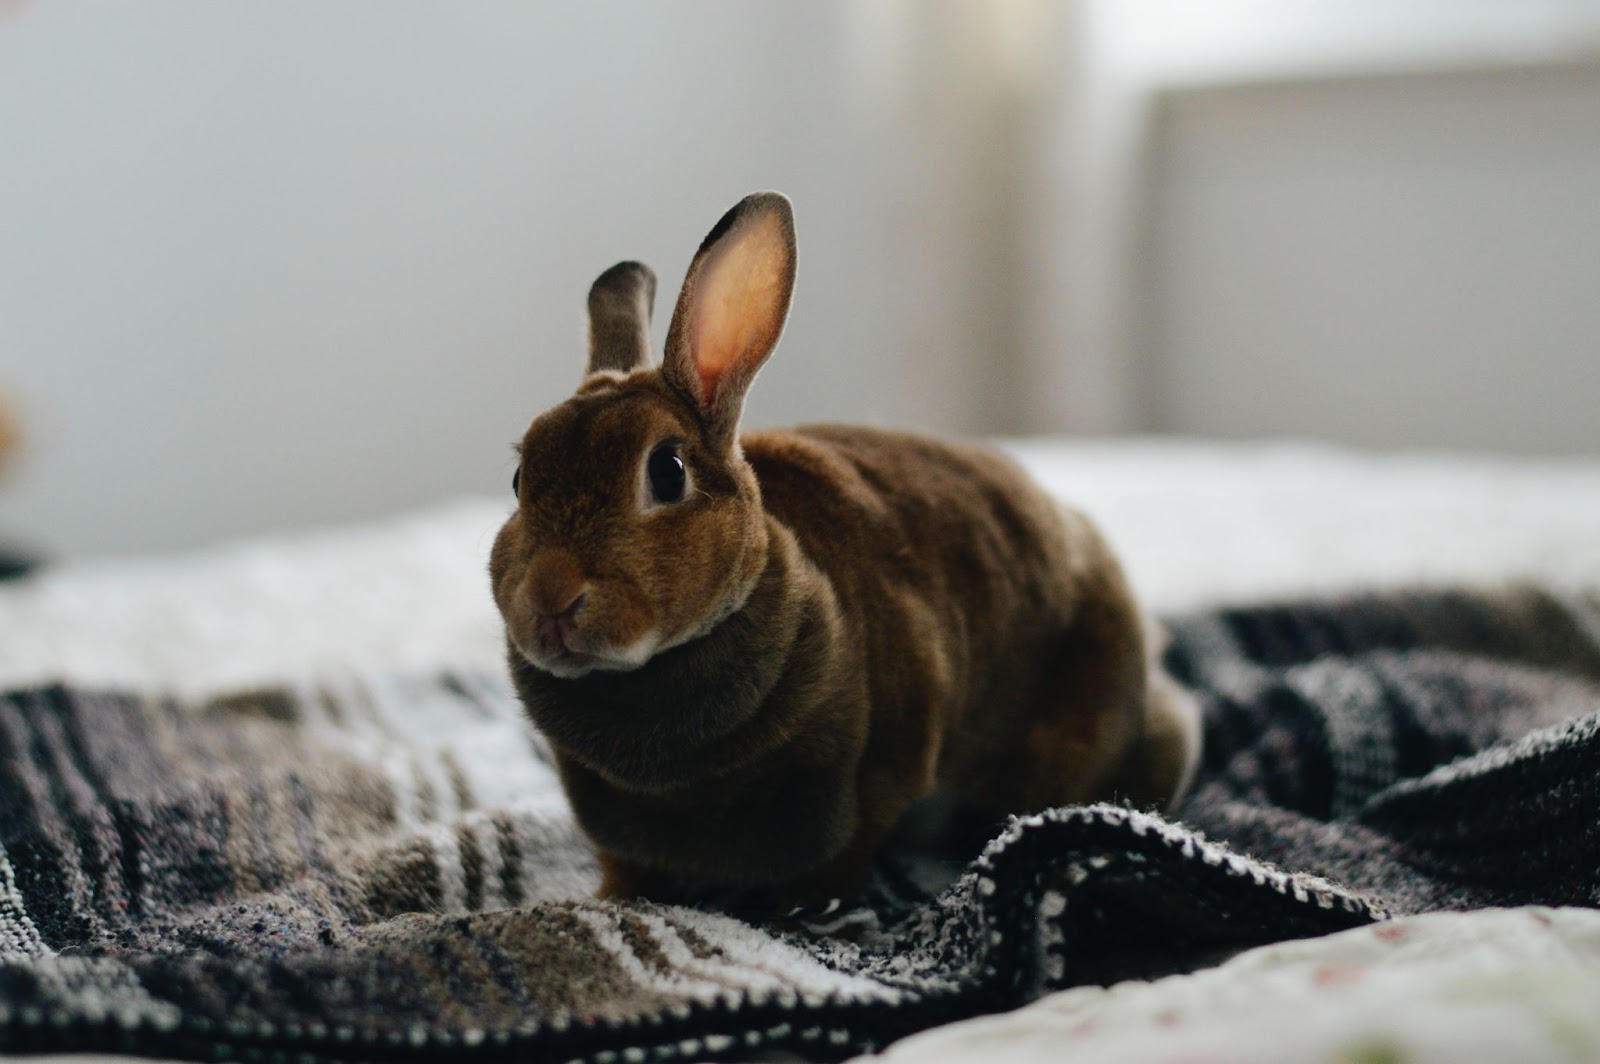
x=639, y=525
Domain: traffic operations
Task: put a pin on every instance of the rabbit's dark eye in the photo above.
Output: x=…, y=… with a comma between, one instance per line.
x=516, y=482
x=665, y=469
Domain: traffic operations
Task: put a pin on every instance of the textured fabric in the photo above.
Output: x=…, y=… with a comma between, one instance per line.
x=1492, y=986
x=386, y=868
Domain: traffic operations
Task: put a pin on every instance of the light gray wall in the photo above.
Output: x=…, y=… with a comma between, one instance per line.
x=282, y=264
x=1191, y=109
x=1407, y=260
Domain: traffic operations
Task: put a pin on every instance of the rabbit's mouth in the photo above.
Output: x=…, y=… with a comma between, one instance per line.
x=557, y=648
x=563, y=664
x=566, y=654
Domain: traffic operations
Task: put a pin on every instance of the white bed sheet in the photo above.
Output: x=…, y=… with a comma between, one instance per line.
x=1196, y=523
x=1512, y=985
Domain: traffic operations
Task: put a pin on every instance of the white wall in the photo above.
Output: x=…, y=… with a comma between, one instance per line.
x=1410, y=260
x=280, y=264
x=1107, y=349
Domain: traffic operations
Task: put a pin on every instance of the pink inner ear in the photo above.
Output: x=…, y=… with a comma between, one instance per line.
x=738, y=301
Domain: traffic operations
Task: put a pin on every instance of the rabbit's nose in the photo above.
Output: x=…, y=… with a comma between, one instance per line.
x=570, y=612
x=555, y=584
x=561, y=630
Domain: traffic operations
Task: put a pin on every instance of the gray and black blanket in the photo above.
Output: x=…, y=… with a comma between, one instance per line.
x=385, y=869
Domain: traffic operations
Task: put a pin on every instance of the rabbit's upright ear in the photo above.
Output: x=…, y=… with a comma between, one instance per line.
x=732, y=307
x=619, y=318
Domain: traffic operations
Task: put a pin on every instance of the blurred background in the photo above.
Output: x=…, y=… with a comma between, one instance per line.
x=276, y=265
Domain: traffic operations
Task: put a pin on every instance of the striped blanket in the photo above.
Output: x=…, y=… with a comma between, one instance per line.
x=385, y=868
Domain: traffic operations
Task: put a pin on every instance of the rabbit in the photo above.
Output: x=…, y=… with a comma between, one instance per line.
x=751, y=652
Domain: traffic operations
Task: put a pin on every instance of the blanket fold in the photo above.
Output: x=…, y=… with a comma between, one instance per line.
x=385, y=868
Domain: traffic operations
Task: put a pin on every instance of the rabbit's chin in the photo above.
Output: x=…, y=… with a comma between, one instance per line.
x=565, y=664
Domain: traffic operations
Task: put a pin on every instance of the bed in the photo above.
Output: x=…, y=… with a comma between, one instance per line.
x=1203, y=527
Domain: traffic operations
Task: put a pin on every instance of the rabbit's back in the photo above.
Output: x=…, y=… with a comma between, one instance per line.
x=954, y=571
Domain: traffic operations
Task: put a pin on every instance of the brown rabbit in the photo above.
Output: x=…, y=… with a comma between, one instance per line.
x=752, y=652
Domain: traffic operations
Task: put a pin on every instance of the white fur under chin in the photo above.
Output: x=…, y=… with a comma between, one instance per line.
x=560, y=670
x=623, y=659
x=634, y=654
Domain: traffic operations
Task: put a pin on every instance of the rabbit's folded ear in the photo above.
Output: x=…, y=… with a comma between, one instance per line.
x=620, y=301
x=732, y=307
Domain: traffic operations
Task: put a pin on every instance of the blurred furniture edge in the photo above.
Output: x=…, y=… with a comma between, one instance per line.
x=12, y=562
x=1390, y=260
x=1380, y=238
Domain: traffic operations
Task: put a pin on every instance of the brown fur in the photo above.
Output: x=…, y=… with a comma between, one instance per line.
x=842, y=619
